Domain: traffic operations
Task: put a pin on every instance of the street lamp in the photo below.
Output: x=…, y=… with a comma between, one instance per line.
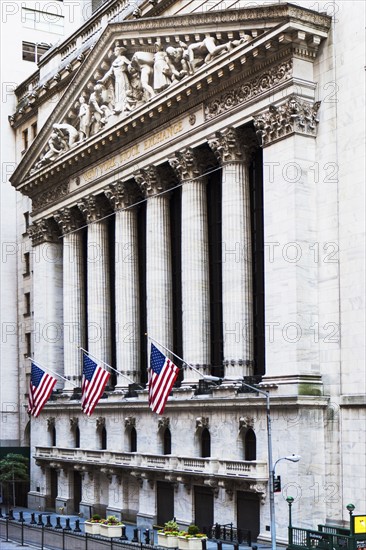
x=271, y=467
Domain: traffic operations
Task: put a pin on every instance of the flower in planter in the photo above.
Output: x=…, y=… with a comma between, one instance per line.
x=95, y=519
x=111, y=520
x=170, y=527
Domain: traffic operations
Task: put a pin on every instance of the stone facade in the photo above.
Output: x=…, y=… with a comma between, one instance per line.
x=192, y=184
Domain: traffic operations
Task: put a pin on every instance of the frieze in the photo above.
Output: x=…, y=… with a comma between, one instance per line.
x=245, y=92
x=294, y=116
x=51, y=195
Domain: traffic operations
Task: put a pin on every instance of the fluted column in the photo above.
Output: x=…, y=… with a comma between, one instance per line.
x=233, y=149
x=98, y=281
x=73, y=295
x=47, y=297
x=159, y=297
x=126, y=283
x=195, y=264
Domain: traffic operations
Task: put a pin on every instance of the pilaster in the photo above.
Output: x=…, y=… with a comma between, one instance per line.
x=287, y=131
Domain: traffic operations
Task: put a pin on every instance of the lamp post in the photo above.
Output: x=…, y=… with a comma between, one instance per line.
x=350, y=508
x=289, y=501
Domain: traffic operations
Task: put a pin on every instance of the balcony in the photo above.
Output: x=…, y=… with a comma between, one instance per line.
x=207, y=467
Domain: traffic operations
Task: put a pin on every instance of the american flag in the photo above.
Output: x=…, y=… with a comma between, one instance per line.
x=95, y=379
x=40, y=389
x=162, y=375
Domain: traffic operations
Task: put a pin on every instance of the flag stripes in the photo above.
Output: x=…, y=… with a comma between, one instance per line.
x=40, y=389
x=95, y=379
x=162, y=376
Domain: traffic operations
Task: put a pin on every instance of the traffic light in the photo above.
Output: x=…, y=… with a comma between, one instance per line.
x=277, y=484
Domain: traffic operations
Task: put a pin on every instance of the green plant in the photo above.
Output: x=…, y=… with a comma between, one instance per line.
x=111, y=520
x=95, y=519
x=170, y=526
x=193, y=530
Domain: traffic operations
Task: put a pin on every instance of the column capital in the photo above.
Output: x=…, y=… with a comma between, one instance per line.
x=148, y=181
x=93, y=208
x=233, y=145
x=43, y=231
x=294, y=116
x=121, y=195
x=186, y=164
x=68, y=219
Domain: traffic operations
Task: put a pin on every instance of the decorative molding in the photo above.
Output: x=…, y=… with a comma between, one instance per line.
x=51, y=420
x=295, y=116
x=130, y=422
x=163, y=422
x=245, y=422
x=245, y=92
x=43, y=231
x=187, y=164
x=68, y=219
x=233, y=145
x=74, y=422
x=100, y=422
x=120, y=195
x=202, y=422
x=92, y=208
x=260, y=489
x=148, y=181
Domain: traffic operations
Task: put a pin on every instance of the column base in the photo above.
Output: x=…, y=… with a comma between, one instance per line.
x=37, y=501
x=64, y=506
x=145, y=521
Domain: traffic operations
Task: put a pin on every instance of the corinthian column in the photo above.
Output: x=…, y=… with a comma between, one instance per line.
x=195, y=266
x=126, y=283
x=98, y=285
x=73, y=294
x=237, y=300
x=159, y=298
x=47, y=296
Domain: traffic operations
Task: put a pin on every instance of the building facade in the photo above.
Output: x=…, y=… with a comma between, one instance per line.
x=195, y=181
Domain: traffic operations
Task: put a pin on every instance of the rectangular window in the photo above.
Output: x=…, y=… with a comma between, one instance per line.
x=27, y=303
x=26, y=263
x=43, y=21
x=28, y=344
x=33, y=51
x=26, y=221
x=25, y=139
x=34, y=130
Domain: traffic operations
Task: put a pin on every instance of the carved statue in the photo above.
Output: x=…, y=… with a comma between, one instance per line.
x=207, y=49
x=119, y=72
x=84, y=117
x=69, y=133
x=178, y=60
x=143, y=63
x=56, y=145
x=162, y=70
x=99, y=110
x=137, y=95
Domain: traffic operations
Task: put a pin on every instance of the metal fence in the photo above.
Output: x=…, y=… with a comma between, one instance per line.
x=228, y=533
x=63, y=538
x=300, y=539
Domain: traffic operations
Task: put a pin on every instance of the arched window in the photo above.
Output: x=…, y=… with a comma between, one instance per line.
x=167, y=442
x=77, y=437
x=103, y=438
x=133, y=440
x=250, y=445
x=205, y=443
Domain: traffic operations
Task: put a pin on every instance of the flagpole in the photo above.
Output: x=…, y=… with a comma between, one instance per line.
x=53, y=372
x=175, y=355
x=106, y=364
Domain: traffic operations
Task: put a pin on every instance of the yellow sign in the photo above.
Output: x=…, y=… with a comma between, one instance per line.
x=359, y=526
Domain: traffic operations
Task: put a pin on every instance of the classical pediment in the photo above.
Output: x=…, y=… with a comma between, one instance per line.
x=142, y=73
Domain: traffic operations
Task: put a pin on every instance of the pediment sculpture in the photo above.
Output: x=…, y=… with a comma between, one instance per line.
x=126, y=80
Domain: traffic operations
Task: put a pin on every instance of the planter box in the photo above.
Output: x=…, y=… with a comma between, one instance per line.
x=110, y=530
x=162, y=539
x=190, y=544
x=167, y=541
x=92, y=528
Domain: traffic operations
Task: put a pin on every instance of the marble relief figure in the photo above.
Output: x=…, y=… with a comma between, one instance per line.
x=130, y=81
